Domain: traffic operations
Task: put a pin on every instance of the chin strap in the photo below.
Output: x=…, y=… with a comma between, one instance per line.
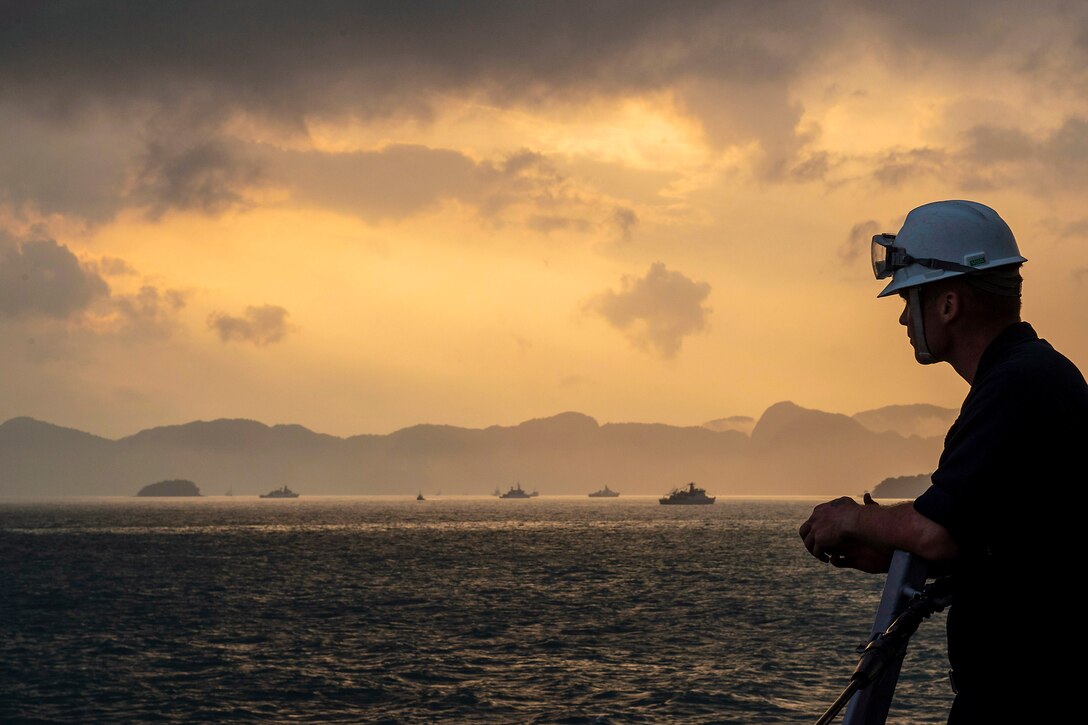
x=918, y=328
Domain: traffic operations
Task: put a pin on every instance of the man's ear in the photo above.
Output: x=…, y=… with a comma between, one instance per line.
x=949, y=304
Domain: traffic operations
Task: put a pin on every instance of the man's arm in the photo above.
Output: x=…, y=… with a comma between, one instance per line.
x=845, y=534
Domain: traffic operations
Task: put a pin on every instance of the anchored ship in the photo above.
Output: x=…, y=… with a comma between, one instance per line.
x=518, y=492
x=687, y=496
x=605, y=492
x=280, y=493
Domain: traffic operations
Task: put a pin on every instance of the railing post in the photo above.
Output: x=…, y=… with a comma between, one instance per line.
x=906, y=577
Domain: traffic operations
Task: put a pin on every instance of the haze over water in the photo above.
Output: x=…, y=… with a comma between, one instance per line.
x=368, y=609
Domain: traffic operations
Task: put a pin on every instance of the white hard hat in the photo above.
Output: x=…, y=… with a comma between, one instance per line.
x=941, y=240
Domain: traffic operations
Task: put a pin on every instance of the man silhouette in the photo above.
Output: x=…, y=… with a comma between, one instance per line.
x=989, y=517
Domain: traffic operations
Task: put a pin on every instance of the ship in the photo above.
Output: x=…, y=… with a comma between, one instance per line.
x=605, y=492
x=420, y=497
x=689, y=496
x=518, y=492
x=280, y=493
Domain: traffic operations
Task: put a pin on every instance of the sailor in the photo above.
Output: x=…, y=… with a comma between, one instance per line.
x=1001, y=512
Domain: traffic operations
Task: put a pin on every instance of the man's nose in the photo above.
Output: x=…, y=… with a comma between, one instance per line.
x=903, y=315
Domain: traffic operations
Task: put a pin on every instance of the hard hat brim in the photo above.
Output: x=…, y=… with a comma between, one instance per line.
x=916, y=275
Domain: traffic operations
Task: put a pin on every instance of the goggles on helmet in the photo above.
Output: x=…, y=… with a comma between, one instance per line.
x=887, y=258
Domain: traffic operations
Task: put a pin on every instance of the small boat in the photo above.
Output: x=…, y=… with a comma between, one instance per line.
x=280, y=493
x=518, y=492
x=689, y=496
x=605, y=492
x=497, y=493
x=419, y=497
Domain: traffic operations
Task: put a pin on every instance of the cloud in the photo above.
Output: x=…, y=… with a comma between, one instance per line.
x=813, y=168
x=393, y=182
x=385, y=57
x=990, y=144
x=656, y=311
x=114, y=267
x=50, y=166
x=551, y=223
x=858, y=240
x=181, y=68
x=403, y=180
x=625, y=220
x=899, y=167
x=109, y=105
x=60, y=307
x=45, y=278
x=988, y=157
x=208, y=176
x=148, y=314
x=261, y=325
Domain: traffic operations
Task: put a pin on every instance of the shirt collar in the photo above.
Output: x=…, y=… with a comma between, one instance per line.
x=1013, y=335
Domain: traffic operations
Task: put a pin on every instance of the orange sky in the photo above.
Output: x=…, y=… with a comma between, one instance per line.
x=367, y=217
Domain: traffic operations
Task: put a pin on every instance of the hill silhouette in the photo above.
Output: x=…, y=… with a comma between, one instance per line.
x=792, y=450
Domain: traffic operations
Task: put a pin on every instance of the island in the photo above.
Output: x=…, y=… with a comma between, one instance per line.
x=902, y=486
x=178, y=487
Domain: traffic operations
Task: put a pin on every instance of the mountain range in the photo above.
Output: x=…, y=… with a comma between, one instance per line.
x=789, y=450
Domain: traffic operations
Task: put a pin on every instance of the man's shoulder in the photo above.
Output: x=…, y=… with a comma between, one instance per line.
x=1033, y=361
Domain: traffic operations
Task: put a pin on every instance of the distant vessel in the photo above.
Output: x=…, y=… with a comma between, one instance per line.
x=497, y=493
x=419, y=497
x=689, y=496
x=518, y=492
x=280, y=493
x=605, y=492
x=230, y=492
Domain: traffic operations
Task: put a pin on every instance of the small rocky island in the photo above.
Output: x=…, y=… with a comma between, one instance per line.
x=902, y=486
x=178, y=487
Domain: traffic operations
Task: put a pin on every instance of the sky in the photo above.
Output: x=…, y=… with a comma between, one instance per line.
x=358, y=217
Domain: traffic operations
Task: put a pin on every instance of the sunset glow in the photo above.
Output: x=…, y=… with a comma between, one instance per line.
x=649, y=214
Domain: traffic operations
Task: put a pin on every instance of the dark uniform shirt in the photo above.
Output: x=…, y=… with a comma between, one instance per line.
x=1008, y=489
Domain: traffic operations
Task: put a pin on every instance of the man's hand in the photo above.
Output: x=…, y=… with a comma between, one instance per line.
x=831, y=534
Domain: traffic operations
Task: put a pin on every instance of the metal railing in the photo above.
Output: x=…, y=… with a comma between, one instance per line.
x=906, y=577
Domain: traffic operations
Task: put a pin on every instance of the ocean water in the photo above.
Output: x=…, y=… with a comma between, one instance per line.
x=372, y=609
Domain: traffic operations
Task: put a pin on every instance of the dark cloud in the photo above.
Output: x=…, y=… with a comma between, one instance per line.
x=397, y=181
x=656, y=311
x=403, y=180
x=899, y=167
x=814, y=168
x=1075, y=229
x=114, y=267
x=380, y=57
x=261, y=325
x=52, y=167
x=859, y=240
x=549, y=223
x=209, y=176
x=524, y=159
x=992, y=156
x=60, y=304
x=991, y=144
x=96, y=95
x=625, y=220
x=150, y=313
x=45, y=278
x=199, y=64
